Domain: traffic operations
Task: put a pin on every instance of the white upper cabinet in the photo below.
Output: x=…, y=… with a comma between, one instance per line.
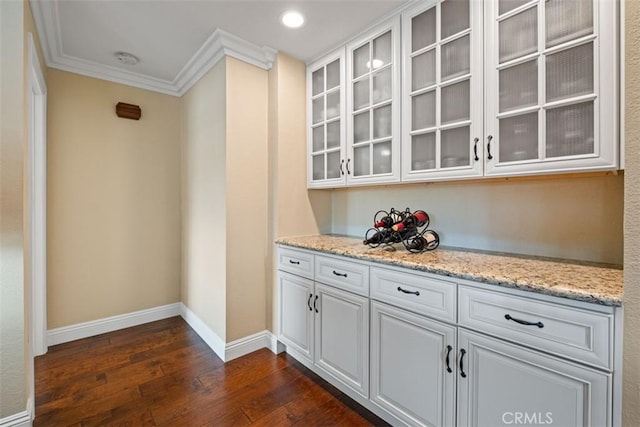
x=452, y=89
x=326, y=128
x=373, y=106
x=442, y=90
x=551, y=86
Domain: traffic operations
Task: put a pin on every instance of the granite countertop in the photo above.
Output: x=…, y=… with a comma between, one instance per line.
x=587, y=282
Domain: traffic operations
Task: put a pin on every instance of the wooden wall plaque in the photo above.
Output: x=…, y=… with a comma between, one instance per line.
x=128, y=111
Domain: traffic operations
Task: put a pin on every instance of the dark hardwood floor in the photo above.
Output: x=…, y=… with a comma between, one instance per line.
x=163, y=374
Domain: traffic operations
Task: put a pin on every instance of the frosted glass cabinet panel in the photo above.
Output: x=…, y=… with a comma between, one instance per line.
x=442, y=90
x=373, y=106
x=326, y=124
x=551, y=86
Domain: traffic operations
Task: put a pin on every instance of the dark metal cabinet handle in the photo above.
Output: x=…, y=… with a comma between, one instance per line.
x=449, y=348
x=341, y=170
x=294, y=262
x=309, y=302
x=339, y=274
x=489, y=156
x=462, y=353
x=524, y=322
x=416, y=293
x=475, y=149
x=315, y=302
x=348, y=171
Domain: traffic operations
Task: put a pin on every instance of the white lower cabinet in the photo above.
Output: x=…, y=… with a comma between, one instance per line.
x=328, y=327
x=412, y=366
x=505, y=384
x=296, y=313
x=421, y=351
x=342, y=337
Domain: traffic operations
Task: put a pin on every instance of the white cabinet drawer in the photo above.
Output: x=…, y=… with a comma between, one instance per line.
x=566, y=331
x=348, y=275
x=296, y=262
x=418, y=293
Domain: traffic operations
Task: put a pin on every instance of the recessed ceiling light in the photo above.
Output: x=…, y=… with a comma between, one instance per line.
x=126, y=58
x=292, y=19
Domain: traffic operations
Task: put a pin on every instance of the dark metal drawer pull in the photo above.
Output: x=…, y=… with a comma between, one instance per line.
x=309, y=302
x=489, y=156
x=475, y=149
x=339, y=274
x=462, y=353
x=524, y=322
x=449, y=348
x=294, y=262
x=315, y=301
x=416, y=293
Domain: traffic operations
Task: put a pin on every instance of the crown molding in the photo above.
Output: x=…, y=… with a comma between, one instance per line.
x=216, y=47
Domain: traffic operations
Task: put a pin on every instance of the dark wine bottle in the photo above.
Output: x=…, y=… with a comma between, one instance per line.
x=377, y=237
x=416, y=219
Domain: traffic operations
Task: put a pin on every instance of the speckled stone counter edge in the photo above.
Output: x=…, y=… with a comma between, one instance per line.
x=597, y=285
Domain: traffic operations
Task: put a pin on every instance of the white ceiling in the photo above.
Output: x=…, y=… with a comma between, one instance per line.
x=171, y=37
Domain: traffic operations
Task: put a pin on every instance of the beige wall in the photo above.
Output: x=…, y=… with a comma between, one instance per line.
x=246, y=198
x=225, y=151
x=631, y=380
x=113, y=200
x=16, y=21
x=29, y=28
x=294, y=210
x=527, y=216
x=204, y=205
x=13, y=370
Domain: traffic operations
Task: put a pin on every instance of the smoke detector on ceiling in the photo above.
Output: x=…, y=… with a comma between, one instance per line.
x=126, y=58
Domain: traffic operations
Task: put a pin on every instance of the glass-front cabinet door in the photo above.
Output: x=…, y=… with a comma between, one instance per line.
x=551, y=85
x=326, y=131
x=373, y=107
x=442, y=90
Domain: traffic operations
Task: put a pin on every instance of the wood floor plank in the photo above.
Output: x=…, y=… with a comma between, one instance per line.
x=332, y=414
x=308, y=401
x=279, y=417
x=163, y=374
x=130, y=414
x=244, y=371
x=220, y=403
x=70, y=410
x=272, y=399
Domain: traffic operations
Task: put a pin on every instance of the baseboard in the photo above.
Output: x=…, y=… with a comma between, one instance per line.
x=251, y=343
x=212, y=339
x=236, y=348
x=276, y=346
x=225, y=351
x=31, y=408
x=21, y=419
x=110, y=324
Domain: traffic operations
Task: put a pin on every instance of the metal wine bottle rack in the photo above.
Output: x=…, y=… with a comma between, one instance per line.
x=406, y=227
